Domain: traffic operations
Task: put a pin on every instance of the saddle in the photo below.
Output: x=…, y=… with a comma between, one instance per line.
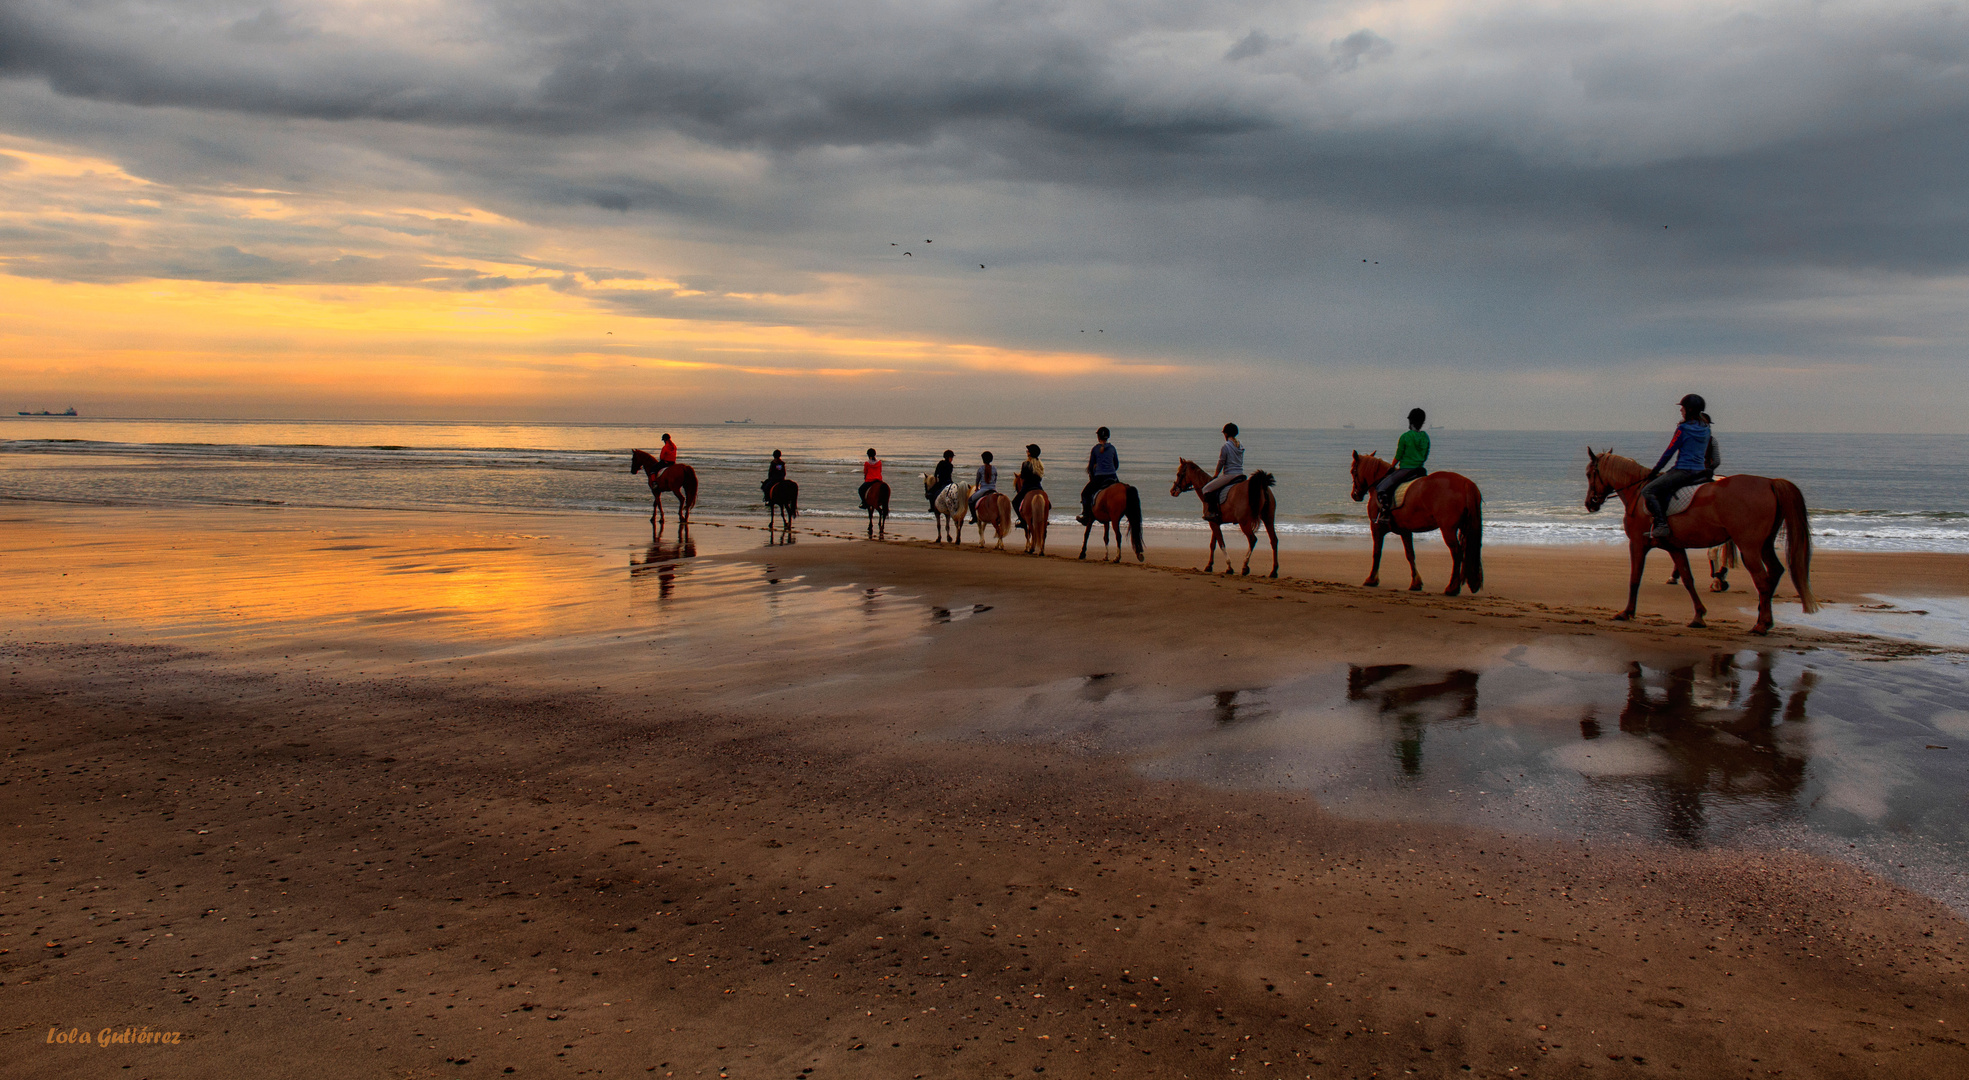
x=1684, y=496
x=1401, y=491
x=1217, y=496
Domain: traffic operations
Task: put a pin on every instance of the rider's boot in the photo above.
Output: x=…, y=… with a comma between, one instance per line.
x=1661, y=530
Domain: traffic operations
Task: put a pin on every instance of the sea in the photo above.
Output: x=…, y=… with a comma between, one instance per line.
x=1866, y=492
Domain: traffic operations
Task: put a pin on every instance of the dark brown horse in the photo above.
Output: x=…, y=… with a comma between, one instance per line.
x=1741, y=509
x=1443, y=501
x=677, y=479
x=1113, y=505
x=877, y=502
x=1249, y=504
x=782, y=499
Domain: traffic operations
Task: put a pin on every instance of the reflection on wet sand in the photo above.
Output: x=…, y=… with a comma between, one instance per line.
x=1720, y=740
x=1415, y=705
x=662, y=561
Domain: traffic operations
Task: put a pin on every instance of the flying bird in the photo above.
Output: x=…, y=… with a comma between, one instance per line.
x=981, y=266
x=911, y=254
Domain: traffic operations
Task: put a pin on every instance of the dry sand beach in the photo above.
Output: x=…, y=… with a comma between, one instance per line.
x=460, y=795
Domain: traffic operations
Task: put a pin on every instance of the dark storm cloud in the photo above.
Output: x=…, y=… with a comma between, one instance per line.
x=1506, y=183
x=1841, y=126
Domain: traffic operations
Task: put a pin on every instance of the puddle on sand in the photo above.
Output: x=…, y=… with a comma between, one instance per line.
x=1863, y=761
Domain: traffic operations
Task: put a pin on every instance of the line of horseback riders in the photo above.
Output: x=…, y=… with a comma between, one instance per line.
x=1693, y=450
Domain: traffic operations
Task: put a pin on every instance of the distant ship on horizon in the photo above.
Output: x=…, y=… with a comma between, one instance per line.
x=747, y=420
x=69, y=412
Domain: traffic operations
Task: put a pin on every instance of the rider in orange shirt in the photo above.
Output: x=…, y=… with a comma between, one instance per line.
x=871, y=472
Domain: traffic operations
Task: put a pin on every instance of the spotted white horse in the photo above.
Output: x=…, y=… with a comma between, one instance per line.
x=952, y=506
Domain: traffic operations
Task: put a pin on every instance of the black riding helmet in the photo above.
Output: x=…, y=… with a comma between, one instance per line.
x=1416, y=418
x=986, y=457
x=1032, y=449
x=1693, y=405
x=1230, y=431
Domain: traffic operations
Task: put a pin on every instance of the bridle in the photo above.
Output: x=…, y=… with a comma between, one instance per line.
x=1597, y=487
x=1183, y=482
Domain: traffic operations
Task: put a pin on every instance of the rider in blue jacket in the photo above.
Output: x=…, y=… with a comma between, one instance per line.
x=1689, y=448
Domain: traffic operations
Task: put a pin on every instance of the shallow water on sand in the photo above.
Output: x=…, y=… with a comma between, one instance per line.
x=1810, y=751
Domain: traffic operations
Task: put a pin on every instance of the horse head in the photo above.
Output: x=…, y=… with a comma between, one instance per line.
x=928, y=482
x=1597, y=488
x=1364, y=474
x=1184, y=481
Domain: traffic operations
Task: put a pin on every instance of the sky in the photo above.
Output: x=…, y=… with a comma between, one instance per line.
x=1516, y=215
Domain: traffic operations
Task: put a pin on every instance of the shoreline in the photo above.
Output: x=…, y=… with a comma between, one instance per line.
x=532, y=796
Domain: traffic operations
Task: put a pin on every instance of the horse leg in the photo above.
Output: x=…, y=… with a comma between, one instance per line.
x=1414, y=575
x=1271, y=531
x=1688, y=577
x=1251, y=538
x=1088, y=536
x=1374, y=575
x=1637, y=555
x=1453, y=537
x=1764, y=572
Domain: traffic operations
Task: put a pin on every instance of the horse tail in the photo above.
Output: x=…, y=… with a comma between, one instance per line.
x=792, y=498
x=1798, y=540
x=1472, y=528
x=689, y=485
x=1260, y=481
x=1729, y=555
x=1133, y=512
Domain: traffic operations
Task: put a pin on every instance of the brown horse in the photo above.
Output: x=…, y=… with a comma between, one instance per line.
x=1447, y=501
x=877, y=502
x=1036, y=508
x=1113, y=505
x=677, y=479
x=1248, y=504
x=993, y=509
x=783, y=498
x=1741, y=509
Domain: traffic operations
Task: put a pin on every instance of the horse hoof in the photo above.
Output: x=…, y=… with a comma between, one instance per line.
x=1760, y=631
x=1698, y=625
x=1371, y=583
x=1417, y=587
x=1623, y=616
x=1246, y=572
x=1273, y=574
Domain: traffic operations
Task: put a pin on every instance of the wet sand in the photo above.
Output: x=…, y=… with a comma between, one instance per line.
x=451, y=795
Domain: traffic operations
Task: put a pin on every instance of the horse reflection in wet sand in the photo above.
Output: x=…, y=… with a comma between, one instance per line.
x=1722, y=740
x=1415, y=704
x=661, y=561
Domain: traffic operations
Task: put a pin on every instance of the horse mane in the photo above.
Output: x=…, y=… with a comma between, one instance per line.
x=1624, y=464
x=642, y=460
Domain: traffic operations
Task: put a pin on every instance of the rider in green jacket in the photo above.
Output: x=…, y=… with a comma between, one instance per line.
x=1411, y=454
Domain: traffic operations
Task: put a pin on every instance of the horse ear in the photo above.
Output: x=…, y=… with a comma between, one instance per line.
x=1590, y=456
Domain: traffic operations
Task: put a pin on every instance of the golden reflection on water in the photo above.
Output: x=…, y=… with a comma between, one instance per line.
x=188, y=575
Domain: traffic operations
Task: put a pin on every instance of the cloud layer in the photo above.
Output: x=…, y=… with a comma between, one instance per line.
x=1513, y=198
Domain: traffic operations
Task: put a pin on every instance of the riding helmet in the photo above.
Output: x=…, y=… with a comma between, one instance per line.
x=1694, y=404
x=1417, y=417
x=1230, y=430
x=1032, y=449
